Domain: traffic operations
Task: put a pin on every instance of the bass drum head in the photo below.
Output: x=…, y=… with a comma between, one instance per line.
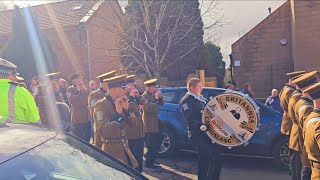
x=231, y=118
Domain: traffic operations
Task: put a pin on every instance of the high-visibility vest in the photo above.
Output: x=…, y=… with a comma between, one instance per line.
x=17, y=105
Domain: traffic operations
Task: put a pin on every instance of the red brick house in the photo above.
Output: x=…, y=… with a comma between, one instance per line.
x=287, y=40
x=83, y=34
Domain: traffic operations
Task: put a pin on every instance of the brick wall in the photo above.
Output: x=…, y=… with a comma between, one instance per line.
x=69, y=46
x=263, y=60
x=91, y=49
x=306, y=34
x=103, y=35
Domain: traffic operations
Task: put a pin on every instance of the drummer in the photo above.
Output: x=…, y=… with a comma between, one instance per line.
x=191, y=105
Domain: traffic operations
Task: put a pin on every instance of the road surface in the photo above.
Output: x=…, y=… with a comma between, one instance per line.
x=183, y=166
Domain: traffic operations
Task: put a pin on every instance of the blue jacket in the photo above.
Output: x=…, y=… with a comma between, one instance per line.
x=274, y=103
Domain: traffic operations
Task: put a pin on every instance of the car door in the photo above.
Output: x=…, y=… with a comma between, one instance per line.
x=168, y=97
x=258, y=143
x=173, y=120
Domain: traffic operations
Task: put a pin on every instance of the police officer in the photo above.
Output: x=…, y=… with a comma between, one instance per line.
x=191, y=105
x=96, y=95
x=295, y=160
x=135, y=133
x=302, y=109
x=111, y=115
x=153, y=99
x=17, y=104
x=78, y=99
x=284, y=96
x=312, y=132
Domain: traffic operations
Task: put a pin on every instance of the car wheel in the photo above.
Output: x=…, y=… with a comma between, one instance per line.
x=167, y=142
x=281, y=153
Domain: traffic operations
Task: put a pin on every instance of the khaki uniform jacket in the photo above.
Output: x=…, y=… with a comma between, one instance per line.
x=284, y=96
x=294, y=134
x=312, y=144
x=150, y=112
x=303, y=111
x=79, y=105
x=111, y=131
x=44, y=103
x=136, y=131
x=94, y=96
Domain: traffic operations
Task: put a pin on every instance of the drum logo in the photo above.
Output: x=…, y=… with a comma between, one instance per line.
x=231, y=118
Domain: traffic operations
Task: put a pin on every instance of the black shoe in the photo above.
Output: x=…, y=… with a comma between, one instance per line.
x=151, y=166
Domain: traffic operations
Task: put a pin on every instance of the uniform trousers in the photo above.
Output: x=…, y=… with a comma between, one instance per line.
x=136, y=146
x=209, y=159
x=82, y=131
x=153, y=145
x=295, y=165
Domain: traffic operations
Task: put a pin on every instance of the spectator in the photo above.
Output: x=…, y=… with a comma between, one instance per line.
x=93, y=85
x=63, y=89
x=232, y=86
x=273, y=101
x=247, y=89
x=33, y=84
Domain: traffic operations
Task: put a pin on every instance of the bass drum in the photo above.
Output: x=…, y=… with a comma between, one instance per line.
x=64, y=117
x=231, y=119
x=59, y=117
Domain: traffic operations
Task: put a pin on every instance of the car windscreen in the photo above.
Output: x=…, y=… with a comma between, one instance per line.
x=63, y=158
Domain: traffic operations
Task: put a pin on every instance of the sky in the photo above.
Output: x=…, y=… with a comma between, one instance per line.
x=239, y=17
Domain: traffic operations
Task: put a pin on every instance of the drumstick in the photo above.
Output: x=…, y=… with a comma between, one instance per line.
x=226, y=126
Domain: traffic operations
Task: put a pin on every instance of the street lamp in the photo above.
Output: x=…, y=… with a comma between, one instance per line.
x=231, y=66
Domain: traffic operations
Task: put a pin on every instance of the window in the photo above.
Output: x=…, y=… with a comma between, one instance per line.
x=62, y=158
x=169, y=96
x=181, y=94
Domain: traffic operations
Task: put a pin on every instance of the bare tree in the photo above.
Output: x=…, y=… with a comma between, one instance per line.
x=163, y=35
x=157, y=35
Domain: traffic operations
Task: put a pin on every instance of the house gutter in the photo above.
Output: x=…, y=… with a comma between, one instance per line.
x=88, y=53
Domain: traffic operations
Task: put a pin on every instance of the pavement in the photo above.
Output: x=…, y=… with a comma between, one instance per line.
x=183, y=166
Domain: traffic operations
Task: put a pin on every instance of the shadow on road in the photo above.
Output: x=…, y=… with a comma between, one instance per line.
x=183, y=165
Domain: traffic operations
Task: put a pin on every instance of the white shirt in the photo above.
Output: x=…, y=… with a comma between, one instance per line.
x=200, y=98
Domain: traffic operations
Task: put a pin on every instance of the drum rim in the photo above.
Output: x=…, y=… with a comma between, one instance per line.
x=252, y=103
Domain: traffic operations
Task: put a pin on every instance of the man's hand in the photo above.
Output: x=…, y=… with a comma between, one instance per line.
x=82, y=86
x=125, y=103
x=78, y=87
x=118, y=104
x=134, y=93
x=157, y=95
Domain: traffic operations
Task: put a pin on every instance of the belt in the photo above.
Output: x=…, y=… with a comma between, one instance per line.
x=315, y=164
x=113, y=140
x=312, y=120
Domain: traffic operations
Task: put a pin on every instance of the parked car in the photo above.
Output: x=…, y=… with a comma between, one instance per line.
x=32, y=152
x=267, y=142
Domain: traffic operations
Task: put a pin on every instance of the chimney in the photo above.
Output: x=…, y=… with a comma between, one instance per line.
x=269, y=9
